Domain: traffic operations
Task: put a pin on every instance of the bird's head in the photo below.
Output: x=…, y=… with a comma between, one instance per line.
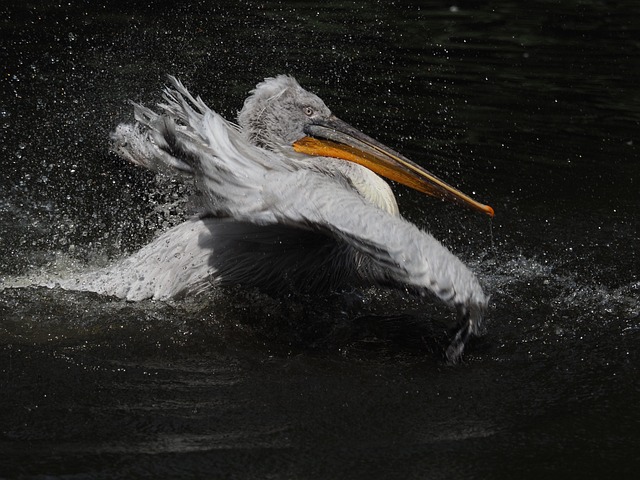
x=277, y=112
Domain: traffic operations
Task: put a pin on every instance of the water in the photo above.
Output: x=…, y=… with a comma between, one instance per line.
x=534, y=109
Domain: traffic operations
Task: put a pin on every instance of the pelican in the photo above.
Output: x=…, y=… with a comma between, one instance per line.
x=293, y=200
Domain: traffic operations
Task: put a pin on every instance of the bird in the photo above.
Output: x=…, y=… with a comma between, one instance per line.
x=293, y=201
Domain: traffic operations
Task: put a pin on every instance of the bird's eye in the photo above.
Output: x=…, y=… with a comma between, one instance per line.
x=308, y=111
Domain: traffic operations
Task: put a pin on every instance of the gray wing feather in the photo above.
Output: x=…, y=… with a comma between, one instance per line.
x=202, y=252
x=174, y=264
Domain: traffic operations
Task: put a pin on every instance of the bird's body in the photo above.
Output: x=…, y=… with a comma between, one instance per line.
x=283, y=211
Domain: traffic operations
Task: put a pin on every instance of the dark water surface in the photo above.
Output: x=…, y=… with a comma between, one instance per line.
x=532, y=106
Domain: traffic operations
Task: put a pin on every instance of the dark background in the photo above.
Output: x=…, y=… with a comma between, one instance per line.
x=531, y=107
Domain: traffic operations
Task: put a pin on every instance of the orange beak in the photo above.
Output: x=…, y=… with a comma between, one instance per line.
x=334, y=138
